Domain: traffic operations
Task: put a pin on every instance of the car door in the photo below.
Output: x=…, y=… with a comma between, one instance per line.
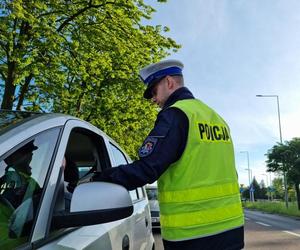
x=141, y=224
x=83, y=146
x=50, y=141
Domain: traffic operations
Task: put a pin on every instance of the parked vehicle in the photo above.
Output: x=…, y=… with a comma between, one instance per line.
x=154, y=206
x=47, y=199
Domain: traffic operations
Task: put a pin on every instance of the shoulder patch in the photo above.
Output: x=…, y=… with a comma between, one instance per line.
x=148, y=146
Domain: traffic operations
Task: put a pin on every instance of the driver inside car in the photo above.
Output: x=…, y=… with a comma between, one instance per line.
x=16, y=184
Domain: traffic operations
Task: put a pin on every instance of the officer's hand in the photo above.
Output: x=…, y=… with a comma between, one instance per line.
x=103, y=176
x=97, y=177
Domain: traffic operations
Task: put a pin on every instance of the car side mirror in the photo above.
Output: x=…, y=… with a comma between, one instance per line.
x=94, y=203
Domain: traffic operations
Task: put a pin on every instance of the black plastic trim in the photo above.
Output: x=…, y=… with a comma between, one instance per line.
x=76, y=219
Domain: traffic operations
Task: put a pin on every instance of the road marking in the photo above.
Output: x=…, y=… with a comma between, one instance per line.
x=289, y=232
x=263, y=224
x=247, y=218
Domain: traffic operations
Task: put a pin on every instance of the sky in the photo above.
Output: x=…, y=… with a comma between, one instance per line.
x=232, y=51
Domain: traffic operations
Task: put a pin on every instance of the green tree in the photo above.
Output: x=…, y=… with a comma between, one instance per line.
x=259, y=191
x=294, y=174
x=82, y=58
x=277, y=184
x=286, y=157
x=263, y=191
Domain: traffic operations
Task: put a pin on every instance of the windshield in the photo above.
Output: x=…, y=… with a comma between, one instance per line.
x=152, y=193
x=9, y=119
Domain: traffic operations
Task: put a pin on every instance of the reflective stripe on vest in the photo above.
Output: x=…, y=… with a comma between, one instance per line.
x=199, y=194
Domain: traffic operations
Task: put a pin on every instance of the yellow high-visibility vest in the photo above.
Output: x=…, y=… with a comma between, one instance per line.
x=199, y=194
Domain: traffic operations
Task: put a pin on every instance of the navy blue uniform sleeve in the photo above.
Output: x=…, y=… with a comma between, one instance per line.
x=163, y=146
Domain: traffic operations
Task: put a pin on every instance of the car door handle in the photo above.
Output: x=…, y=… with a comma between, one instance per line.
x=146, y=222
x=125, y=243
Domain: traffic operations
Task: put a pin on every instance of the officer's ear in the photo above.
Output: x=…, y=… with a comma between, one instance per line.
x=170, y=82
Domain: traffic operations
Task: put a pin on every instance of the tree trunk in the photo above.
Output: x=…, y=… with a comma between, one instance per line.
x=298, y=194
x=24, y=90
x=79, y=100
x=10, y=87
x=9, y=91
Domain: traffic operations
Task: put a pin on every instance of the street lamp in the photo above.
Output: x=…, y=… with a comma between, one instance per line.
x=280, y=136
x=278, y=113
x=247, y=153
x=251, y=177
x=271, y=189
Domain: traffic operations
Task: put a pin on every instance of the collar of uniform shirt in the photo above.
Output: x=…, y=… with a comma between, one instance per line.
x=179, y=94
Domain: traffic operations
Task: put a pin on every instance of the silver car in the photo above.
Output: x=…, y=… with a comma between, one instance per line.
x=152, y=193
x=47, y=199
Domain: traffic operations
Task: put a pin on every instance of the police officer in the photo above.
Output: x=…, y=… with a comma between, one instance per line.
x=190, y=152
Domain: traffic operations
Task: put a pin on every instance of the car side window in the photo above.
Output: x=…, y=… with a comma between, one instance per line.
x=22, y=178
x=140, y=193
x=152, y=193
x=134, y=195
x=84, y=155
x=119, y=159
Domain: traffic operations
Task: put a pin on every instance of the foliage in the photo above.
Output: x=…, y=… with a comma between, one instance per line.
x=260, y=192
x=274, y=207
x=286, y=157
x=81, y=58
x=278, y=188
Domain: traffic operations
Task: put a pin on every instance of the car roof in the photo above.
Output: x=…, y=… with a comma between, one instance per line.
x=29, y=126
x=33, y=123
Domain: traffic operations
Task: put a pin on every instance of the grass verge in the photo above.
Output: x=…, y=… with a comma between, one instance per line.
x=273, y=207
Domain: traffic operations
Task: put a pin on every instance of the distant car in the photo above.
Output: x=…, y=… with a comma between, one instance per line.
x=47, y=199
x=154, y=206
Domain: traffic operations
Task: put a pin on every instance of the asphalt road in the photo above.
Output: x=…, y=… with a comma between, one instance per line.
x=267, y=231
x=158, y=241
x=263, y=232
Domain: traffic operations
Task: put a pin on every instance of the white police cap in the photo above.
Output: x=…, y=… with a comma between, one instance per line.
x=153, y=73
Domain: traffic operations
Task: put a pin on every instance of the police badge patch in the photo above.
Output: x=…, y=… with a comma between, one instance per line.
x=148, y=146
